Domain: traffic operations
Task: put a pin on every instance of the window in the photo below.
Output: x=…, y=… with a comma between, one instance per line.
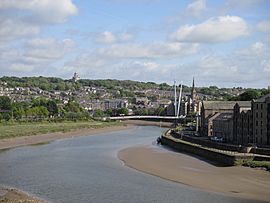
x=261, y=106
x=256, y=123
x=257, y=106
x=256, y=114
x=261, y=114
x=261, y=131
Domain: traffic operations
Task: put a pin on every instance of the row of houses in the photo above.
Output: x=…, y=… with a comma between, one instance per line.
x=237, y=122
x=105, y=104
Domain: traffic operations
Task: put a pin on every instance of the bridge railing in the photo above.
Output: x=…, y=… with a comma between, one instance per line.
x=144, y=117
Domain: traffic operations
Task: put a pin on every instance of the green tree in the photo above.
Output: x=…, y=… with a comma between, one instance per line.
x=123, y=111
x=109, y=112
x=72, y=106
x=18, y=113
x=160, y=111
x=5, y=103
x=37, y=112
x=5, y=108
x=52, y=108
x=249, y=95
x=42, y=111
x=41, y=101
x=98, y=113
x=265, y=92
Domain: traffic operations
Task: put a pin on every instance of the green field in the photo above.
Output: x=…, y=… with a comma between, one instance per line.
x=9, y=130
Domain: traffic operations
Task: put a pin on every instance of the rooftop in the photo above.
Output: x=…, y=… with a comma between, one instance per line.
x=224, y=104
x=262, y=99
x=224, y=116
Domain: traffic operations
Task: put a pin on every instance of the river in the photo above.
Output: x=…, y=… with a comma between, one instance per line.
x=86, y=169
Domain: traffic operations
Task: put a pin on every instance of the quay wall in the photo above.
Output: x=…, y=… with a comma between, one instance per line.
x=222, y=158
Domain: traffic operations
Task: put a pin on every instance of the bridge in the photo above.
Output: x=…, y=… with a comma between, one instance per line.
x=169, y=118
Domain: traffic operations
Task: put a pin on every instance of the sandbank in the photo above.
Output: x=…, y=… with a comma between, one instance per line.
x=236, y=181
x=12, y=195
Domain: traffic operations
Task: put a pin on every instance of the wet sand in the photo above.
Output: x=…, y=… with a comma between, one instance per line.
x=11, y=195
x=237, y=181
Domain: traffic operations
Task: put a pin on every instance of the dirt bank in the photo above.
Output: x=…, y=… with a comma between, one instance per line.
x=234, y=181
x=11, y=195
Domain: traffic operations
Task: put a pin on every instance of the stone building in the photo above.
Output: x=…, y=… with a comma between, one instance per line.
x=223, y=126
x=261, y=120
x=115, y=103
x=92, y=105
x=75, y=77
x=209, y=111
x=242, y=120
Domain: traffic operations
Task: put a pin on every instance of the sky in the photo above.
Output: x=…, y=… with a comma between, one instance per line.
x=219, y=42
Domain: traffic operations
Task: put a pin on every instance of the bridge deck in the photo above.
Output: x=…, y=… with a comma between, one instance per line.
x=145, y=117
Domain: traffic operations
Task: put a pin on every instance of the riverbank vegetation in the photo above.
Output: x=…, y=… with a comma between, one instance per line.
x=256, y=164
x=41, y=109
x=17, y=129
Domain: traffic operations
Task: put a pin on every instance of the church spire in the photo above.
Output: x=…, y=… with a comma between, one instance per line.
x=193, y=92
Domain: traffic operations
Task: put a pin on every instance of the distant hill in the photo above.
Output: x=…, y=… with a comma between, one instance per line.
x=52, y=83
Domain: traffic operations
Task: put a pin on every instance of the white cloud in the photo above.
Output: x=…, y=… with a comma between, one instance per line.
x=131, y=60
x=264, y=26
x=143, y=70
x=106, y=37
x=20, y=67
x=196, y=8
x=110, y=38
x=248, y=67
x=49, y=11
x=38, y=55
x=214, y=30
x=258, y=48
x=149, y=66
x=24, y=18
x=12, y=29
x=48, y=49
x=266, y=66
x=155, y=50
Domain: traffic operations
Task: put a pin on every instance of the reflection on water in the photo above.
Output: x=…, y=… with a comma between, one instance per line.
x=86, y=169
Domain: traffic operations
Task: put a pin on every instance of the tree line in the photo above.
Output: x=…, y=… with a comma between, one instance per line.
x=40, y=109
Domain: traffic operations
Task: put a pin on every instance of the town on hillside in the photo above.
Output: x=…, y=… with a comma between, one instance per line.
x=230, y=115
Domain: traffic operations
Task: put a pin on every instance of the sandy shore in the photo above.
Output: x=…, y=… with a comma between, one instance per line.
x=36, y=139
x=235, y=181
x=11, y=195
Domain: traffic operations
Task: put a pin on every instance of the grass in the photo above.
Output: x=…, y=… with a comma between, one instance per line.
x=257, y=164
x=10, y=130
